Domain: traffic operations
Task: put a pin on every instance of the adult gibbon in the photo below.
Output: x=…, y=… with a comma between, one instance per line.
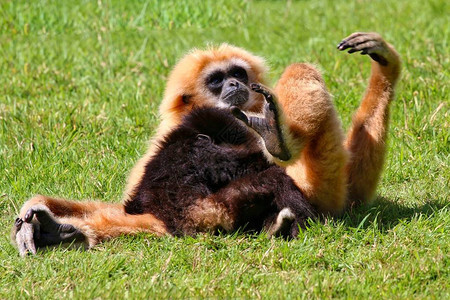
x=305, y=137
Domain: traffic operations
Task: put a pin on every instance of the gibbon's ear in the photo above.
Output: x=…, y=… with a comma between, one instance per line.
x=186, y=98
x=176, y=103
x=204, y=137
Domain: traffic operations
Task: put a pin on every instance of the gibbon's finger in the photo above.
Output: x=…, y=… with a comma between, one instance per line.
x=369, y=43
x=239, y=114
x=259, y=88
x=47, y=222
x=368, y=46
x=48, y=231
x=355, y=42
x=67, y=233
x=358, y=42
x=344, y=44
x=28, y=216
x=356, y=39
x=43, y=216
x=18, y=224
x=260, y=125
x=267, y=128
x=262, y=128
x=271, y=108
x=272, y=137
x=352, y=45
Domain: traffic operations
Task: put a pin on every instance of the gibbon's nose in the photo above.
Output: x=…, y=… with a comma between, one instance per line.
x=234, y=83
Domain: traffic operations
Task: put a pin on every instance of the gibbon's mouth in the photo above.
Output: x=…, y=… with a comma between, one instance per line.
x=236, y=97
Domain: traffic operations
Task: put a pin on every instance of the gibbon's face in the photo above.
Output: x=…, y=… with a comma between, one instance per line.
x=227, y=84
x=217, y=77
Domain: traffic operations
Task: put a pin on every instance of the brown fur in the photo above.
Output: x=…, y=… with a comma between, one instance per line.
x=208, y=215
x=366, y=139
x=331, y=171
x=319, y=167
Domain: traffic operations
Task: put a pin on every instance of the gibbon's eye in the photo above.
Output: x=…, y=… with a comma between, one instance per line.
x=216, y=79
x=239, y=73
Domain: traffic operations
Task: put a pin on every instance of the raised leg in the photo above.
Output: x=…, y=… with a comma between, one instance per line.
x=315, y=138
x=366, y=139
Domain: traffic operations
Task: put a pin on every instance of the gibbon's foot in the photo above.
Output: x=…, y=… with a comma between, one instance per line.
x=268, y=127
x=38, y=229
x=368, y=43
x=282, y=224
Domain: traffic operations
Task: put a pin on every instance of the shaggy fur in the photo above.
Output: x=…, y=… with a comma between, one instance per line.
x=213, y=156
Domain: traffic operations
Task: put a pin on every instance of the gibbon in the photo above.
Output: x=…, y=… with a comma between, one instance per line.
x=304, y=136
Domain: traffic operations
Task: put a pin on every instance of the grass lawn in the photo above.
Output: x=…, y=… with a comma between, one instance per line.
x=80, y=83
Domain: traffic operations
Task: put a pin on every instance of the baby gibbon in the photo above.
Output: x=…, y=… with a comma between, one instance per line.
x=210, y=174
x=304, y=136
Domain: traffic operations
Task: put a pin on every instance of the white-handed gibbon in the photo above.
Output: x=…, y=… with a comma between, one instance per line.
x=304, y=136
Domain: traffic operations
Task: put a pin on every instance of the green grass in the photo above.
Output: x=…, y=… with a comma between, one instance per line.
x=80, y=83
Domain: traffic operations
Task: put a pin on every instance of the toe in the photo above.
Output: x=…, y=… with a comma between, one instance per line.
x=29, y=215
x=237, y=113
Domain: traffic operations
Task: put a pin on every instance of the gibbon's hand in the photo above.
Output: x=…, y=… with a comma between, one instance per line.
x=38, y=229
x=370, y=43
x=268, y=127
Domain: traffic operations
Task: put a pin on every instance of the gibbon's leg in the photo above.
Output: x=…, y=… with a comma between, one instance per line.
x=45, y=221
x=63, y=207
x=268, y=200
x=243, y=200
x=112, y=222
x=280, y=224
x=44, y=229
x=315, y=138
x=366, y=139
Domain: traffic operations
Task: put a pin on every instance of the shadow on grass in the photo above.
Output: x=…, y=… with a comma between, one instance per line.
x=388, y=213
